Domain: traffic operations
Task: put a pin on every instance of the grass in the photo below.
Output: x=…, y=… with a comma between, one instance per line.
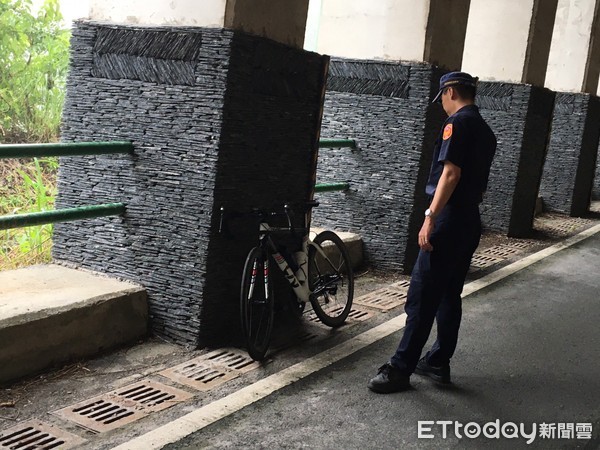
x=28, y=186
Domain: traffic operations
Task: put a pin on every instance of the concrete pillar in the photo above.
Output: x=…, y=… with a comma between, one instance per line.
x=429, y=30
x=574, y=61
x=540, y=39
x=207, y=13
x=572, y=152
x=445, y=34
x=207, y=110
x=509, y=40
x=282, y=21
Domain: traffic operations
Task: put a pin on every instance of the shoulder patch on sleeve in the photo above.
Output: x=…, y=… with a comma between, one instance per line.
x=447, y=131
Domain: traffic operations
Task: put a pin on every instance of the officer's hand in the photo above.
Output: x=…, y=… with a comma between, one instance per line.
x=425, y=234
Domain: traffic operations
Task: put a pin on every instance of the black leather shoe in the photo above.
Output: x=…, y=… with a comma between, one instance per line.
x=388, y=380
x=440, y=374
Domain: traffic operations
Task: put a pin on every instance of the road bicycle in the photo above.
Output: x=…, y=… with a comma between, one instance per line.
x=319, y=273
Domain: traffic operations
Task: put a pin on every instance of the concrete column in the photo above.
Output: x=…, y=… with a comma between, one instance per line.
x=509, y=40
x=445, y=35
x=574, y=61
x=428, y=30
x=207, y=13
x=540, y=39
x=282, y=21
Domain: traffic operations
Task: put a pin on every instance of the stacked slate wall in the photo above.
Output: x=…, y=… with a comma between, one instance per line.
x=217, y=118
x=386, y=107
x=572, y=152
x=520, y=117
x=596, y=186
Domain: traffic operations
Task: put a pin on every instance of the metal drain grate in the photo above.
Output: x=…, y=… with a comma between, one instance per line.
x=355, y=315
x=506, y=250
x=568, y=226
x=309, y=333
x=384, y=299
x=520, y=245
x=480, y=261
x=38, y=435
x=561, y=227
x=404, y=284
x=151, y=395
x=125, y=405
x=101, y=414
x=233, y=359
x=359, y=314
x=200, y=373
x=500, y=251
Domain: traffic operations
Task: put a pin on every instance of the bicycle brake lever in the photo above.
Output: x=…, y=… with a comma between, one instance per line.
x=221, y=220
x=287, y=208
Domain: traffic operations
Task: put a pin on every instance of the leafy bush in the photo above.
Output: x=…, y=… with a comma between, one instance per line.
x=34, y=56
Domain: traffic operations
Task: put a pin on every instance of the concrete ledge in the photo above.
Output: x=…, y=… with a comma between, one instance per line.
x=51, y=314
x=353, y=242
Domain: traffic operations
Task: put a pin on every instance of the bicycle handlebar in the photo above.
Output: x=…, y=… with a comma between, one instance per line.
x=262, y=214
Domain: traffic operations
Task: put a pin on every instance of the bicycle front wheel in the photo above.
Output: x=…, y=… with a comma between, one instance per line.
x=330, y=279
x=256, y=304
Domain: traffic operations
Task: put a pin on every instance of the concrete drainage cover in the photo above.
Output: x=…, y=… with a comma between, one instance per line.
x=233, y=359
x=355, y=315
x=359, y=315
x=38, y=435
x=308, y=333
x=519, y=245
x=122, y=406
x=568, y=226
x=500, y=251
x=383, y=299
x=200, y=373
x=404, y=284
x=481, y=261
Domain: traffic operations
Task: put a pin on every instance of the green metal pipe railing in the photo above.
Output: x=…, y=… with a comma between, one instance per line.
x=64, y=149
x=331, y=187
x=334, y=143
x=337, y=143
x=61, y=215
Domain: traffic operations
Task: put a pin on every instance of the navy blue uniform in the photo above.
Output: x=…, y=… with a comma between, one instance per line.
x=438, y=276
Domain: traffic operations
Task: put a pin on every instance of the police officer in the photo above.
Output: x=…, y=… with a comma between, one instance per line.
x=450, y=234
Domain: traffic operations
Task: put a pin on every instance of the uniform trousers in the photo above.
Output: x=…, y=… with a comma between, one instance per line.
x=436, y=286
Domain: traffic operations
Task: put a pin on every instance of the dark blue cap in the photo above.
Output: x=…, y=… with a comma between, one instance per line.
x=452, y=79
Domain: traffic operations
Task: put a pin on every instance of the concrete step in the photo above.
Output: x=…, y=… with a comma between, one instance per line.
x=51, y=314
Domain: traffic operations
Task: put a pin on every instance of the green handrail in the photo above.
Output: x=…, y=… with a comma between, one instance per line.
x=331, y=187
x=64, y=149
x=60, y=215
x=337, y=143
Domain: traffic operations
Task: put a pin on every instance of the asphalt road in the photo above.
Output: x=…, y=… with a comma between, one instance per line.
x=529, y=353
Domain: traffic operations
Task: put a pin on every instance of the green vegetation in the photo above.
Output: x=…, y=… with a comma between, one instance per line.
x=34, y=52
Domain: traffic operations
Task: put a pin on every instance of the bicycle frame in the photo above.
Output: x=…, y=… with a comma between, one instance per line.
x=299, y=280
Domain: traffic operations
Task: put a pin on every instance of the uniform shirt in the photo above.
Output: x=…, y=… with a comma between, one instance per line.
x=468, y=142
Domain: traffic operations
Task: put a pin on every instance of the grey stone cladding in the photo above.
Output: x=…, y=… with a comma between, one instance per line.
x=386, y=107
x=217, y=118
x=572, y=152
x=520, y=117
x=596, y=186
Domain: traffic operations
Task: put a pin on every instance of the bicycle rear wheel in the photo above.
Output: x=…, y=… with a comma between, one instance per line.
x=330, y=279
x=256, y=304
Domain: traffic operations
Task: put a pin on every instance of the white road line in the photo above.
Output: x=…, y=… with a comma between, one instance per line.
x=206, y=415
x=527, y=261
x=219, y=409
